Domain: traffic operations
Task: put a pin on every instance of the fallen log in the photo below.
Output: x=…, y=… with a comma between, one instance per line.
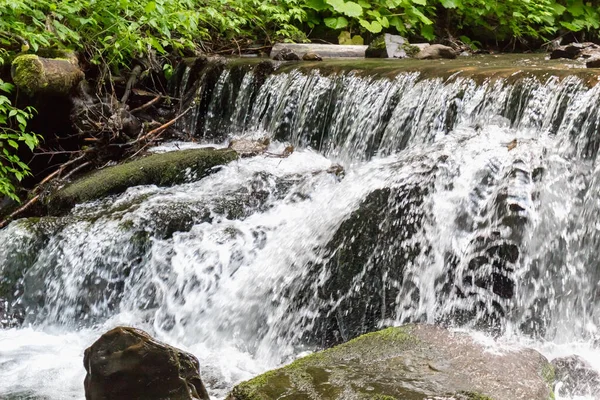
x=34, y=74
x=323, y=50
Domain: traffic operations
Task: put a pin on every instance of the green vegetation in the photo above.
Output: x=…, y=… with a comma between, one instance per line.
x=116, y=32
x=13, y=134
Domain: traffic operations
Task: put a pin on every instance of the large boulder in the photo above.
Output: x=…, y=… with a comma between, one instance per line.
x=576, y=377
x=128, y=364
x=436, y=51
x=414, y=362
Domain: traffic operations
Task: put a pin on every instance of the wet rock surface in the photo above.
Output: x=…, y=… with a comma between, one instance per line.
x=310, y=56
x=576, y=377
x=10, y=316
x=389, y=46
x=414, y=362
x=576, y=50
x=436, y=51
x=286, y=55
x=127, y=363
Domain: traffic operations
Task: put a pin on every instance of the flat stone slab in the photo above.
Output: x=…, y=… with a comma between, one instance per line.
x=413, y=362
x=323, y=50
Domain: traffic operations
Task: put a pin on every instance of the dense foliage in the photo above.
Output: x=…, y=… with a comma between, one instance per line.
x=114, y=32
x=13, y=134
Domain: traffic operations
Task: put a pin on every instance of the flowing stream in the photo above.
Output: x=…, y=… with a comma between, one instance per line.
x=471, y=204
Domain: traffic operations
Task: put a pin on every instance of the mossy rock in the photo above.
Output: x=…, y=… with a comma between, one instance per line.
x=413, y=362
x=164, y=169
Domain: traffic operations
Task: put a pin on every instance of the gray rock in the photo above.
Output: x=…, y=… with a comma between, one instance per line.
x=286, y=55
x=128, y=364
x=577, y=376
x=391, y=46
x=436, y=51
x=409, y=362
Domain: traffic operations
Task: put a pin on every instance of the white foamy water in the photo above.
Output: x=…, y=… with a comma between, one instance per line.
x=241, y=268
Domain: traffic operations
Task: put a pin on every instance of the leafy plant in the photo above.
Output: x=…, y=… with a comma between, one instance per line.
x=13, y=134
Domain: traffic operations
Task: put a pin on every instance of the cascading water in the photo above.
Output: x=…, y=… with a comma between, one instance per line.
x=463, y=203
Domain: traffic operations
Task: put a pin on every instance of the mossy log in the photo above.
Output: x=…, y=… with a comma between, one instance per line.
x=158, y=169
x=34, y=74
x=413, y=362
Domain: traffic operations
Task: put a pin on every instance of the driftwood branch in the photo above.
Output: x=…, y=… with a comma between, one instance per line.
x=147, y=105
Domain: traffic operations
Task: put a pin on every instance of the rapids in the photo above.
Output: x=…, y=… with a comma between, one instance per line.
x=242, y=268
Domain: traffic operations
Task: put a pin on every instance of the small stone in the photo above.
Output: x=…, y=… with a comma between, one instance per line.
x=128, y=364
x=286, y=55
x=311, y=57
x=248, y=147
x=436, y=51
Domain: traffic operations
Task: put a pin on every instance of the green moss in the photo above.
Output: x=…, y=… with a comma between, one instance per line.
x=410, y=50
x=549, y=375
x=158, y=169
x=311, y=376
x=378, y=43
x=473, y=396
x=27, y=73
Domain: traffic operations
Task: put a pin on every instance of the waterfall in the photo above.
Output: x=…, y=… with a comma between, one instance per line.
x=465, y=202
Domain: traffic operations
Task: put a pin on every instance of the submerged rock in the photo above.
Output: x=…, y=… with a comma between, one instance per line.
x=311, y=57
x=248, y=148
x=436, y=51
x=412, y=362
x=158, y=169
x=594, y=62
x=10, y=317
x=577, y=376
x=286, y=55
x=128, y=364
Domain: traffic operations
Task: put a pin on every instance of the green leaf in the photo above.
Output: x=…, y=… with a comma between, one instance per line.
x=420, y=2
x=150, y=7
x=571, y=27
x=13, y=143
x=358, y=40
x=576, y=8
x=336, y=23
x=364, y=4
x=427, y=32
x=317, y=5
x=451, y=3
x=349, y=8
